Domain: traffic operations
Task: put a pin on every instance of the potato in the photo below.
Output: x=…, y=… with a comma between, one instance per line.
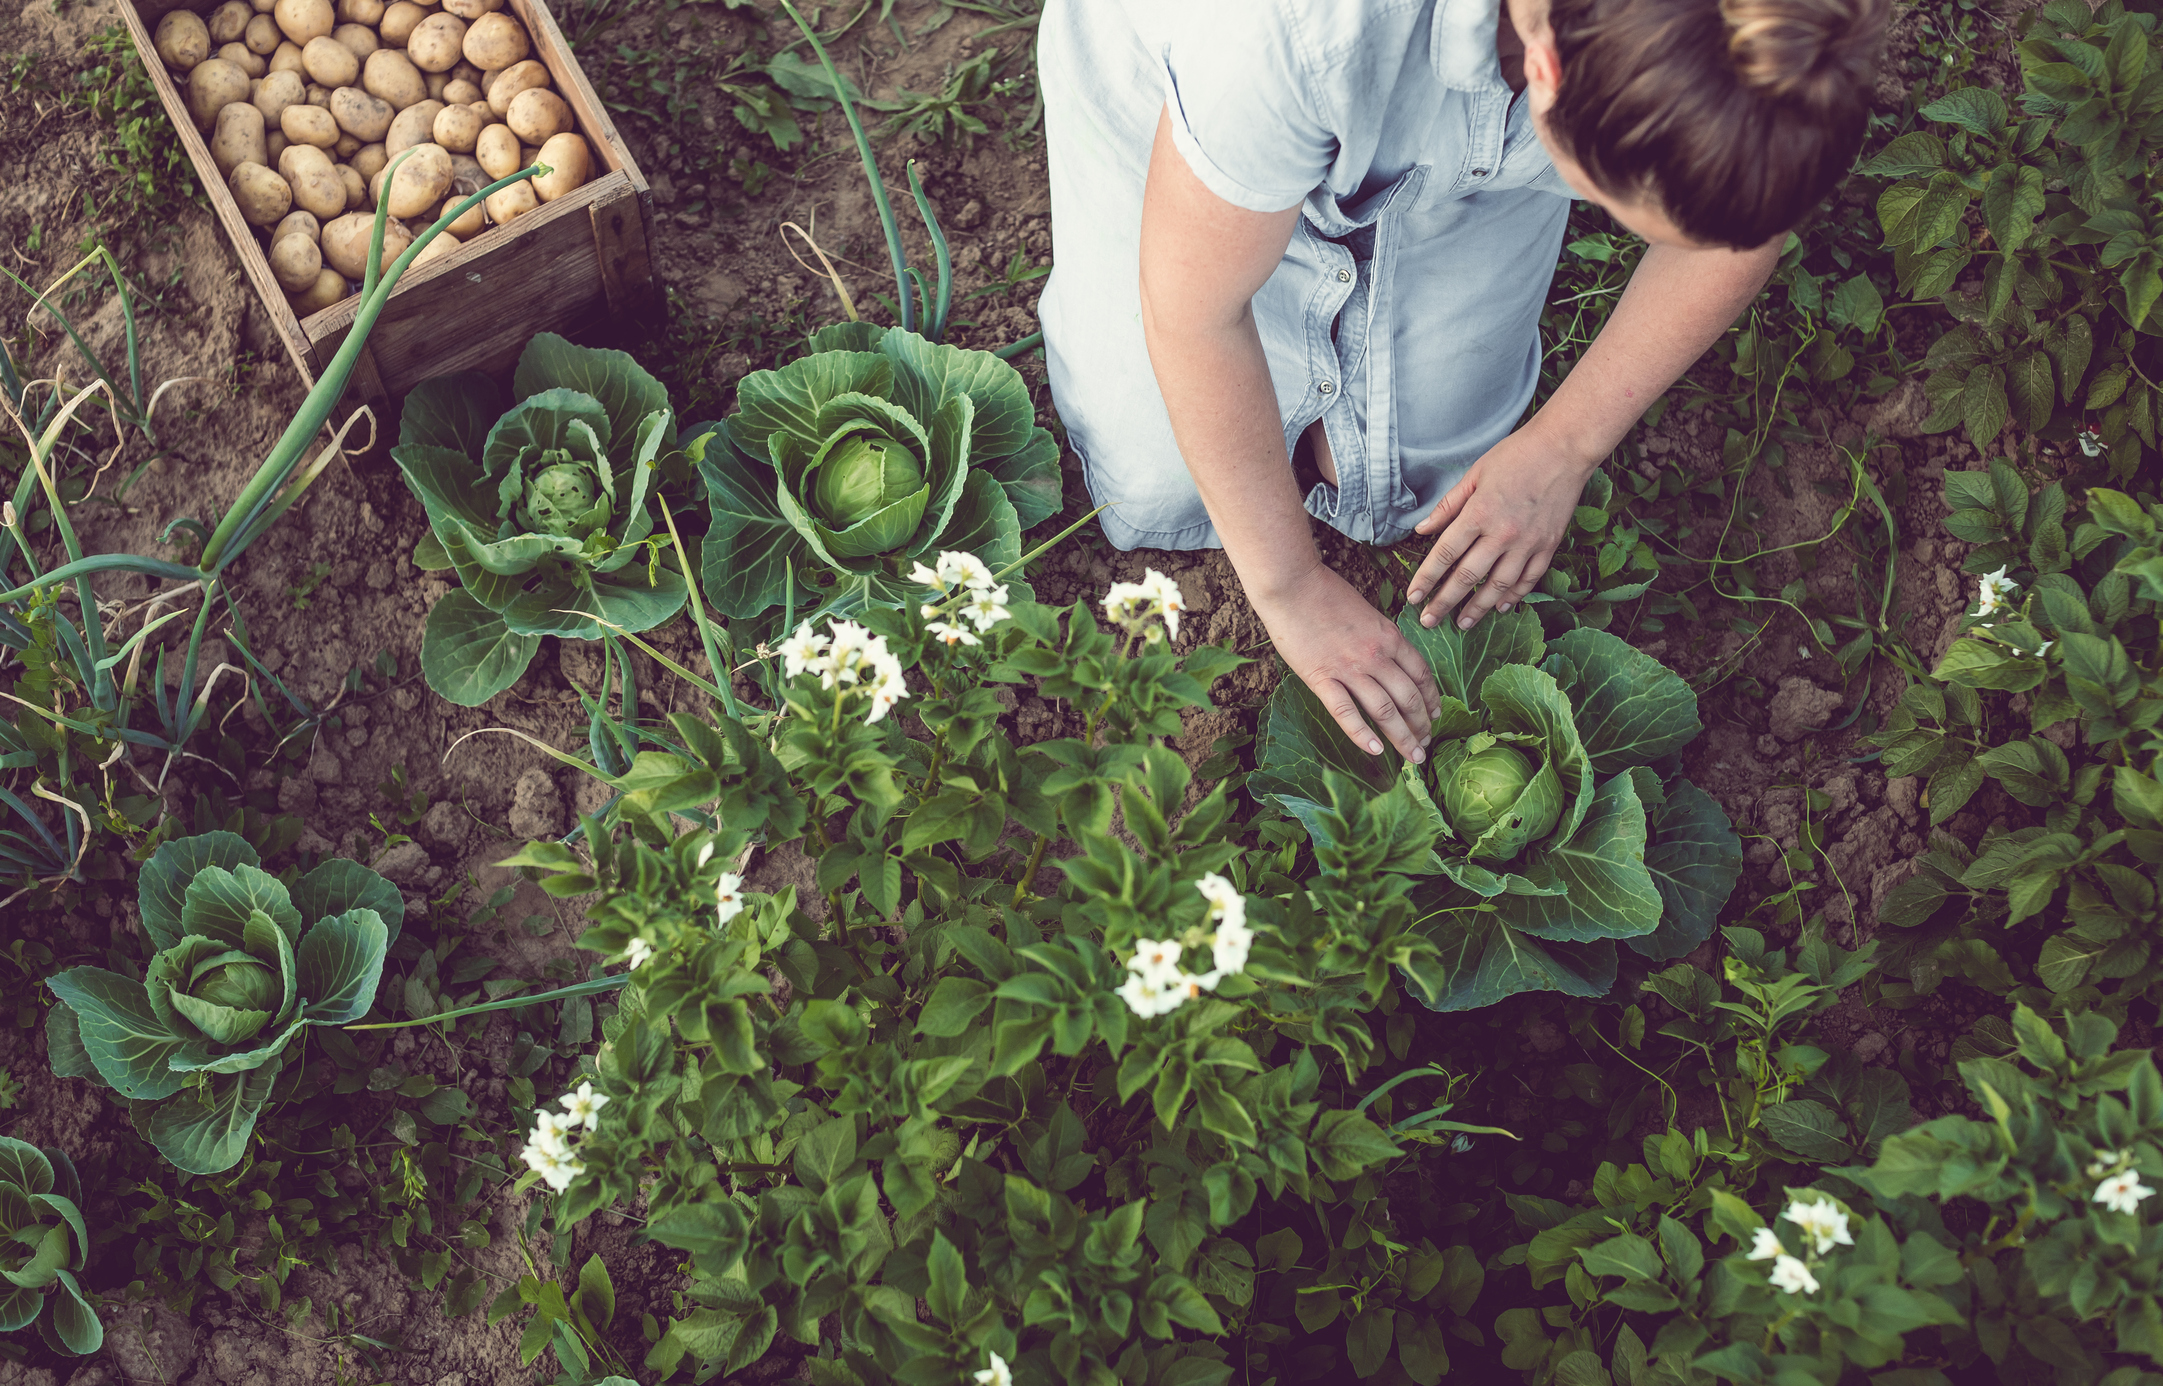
x=305, y=19
x=262, y=35
x=330, y=62
x=298, y=224
x=457, y=127
x=506, y=205
x=368, y=12
x=214, y=84
x=295, y=261
x=460, y=92
x=420, y=182
x=516, y=78
x=274, y=146
x=436, y=42
x=470, y=10
x=319, y=95
x=229, y=21
x=356, y=187
x=391, y=75
x=309, y=125
x=249, y=61
x=399, y=22
x=472, y=223
x=414, y=125
x=287, y=59
x=488, y=79
x=317, y=188
x=497, y=152
x=346, y=147
x=358, y=39
x=345, y=243
x=274, y=93
x=366, y=118
x=466, y=72
x=370, y=160
x=330, y=287
x=569, y=162
x=238, y=138
x=182, y=40
x=263, y=196
x=496, y=41
x=536, y=113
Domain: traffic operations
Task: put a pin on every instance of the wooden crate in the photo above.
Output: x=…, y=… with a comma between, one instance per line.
x=554, y=269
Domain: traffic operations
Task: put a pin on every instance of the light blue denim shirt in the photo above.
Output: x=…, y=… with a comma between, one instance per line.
x=1405, y=313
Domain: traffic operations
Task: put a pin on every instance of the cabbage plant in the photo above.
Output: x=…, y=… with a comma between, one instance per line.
x=839, y=471
x=1552, y=781
x=43, y=1243
x=540, y=505
x=242, y=965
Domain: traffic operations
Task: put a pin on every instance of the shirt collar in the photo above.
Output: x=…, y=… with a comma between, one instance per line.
x=1464, y=44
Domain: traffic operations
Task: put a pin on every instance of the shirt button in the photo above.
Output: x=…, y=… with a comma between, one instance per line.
x=1479, y=173
x=1328, y=388
x=1344, y=276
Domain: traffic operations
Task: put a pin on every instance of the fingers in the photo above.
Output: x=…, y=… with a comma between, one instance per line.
x=1344, y=709
x=1415, y=667
x=1501, y=580
x=1465, y=579
x=1411, y=707
x=1448, y=507
x=1389, y=710
x=1449, y=548
x=1527, y=582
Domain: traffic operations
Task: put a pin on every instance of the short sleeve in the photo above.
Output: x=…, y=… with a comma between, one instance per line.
x=1246, y=111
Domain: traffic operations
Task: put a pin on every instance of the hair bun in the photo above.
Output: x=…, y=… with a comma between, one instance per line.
x=1803, y=50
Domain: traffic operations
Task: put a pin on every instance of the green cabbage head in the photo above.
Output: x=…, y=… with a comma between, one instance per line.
x=43, y=1243
x=845, y=467
x=242, y=966
x=1559, y=823
x=539, y=501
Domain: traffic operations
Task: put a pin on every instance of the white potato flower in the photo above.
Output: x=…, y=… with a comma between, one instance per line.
x=2107, y=1160
x=965, y=569
x=1151, y=993
x=2122, y=1193
x=987, y=606
x=1170, y=600
x=950, y=634
x=925, y=577
x=1994, y=592
x=1155, y=957
x=728, y=894
x=582, y=1106
x=1822, y=1221
x=1764, y=1245
x=637, y=952
x=1793, y=1276
x=802, y=651
x=997, y=1374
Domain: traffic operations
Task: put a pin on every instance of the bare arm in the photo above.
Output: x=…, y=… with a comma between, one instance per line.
x=1503, y=522
x=1202, y=260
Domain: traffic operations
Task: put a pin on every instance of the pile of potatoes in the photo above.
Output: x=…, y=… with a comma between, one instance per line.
x=306, y=105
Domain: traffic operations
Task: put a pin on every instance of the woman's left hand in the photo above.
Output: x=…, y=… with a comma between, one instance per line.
x=1499, y=528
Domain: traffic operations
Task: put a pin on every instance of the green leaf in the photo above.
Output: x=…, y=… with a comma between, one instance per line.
x=827, y=1152
x=74, y=1322
x=750, y=548
x=625, y=390
x=1628, y=1255
x=163, y=887
x=1610, y=893
x=1367, y=1339
x=1345, y=1145
x=1630, y=708
x=340, y=965
x=1974, y=663
x=129, y=1045
x=1977, y=110
x=1857, y=304
x=1983, y=407
x=716, y=1234
x=1462, y=659
x=1918, y=153
x=1480, y=960
x=594, y=1302
x=1694, y=858
x=953, y=1005
x=1808, y=1128
x=452, y=412
x=948, y=1293
x=218, y=904
x=1300, y=743
x=341, y=884
x=209, y=1137
x=468, y=653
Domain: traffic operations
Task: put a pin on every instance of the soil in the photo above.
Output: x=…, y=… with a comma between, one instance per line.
x=332, y=589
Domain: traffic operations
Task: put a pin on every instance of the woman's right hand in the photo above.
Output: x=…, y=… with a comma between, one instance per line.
x=1355, y=660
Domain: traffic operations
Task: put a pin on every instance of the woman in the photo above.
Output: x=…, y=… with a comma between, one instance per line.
x=1345, y=215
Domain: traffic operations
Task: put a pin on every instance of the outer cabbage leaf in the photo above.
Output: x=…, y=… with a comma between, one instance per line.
x=129, y=1045
x=623, y=387
x=451, y=412
x=340, y=884
x=208, y=1136
x=1631, y=709
x=341, y=964
x=162, y=888
x=751, y=548
x=468, y=653
x=1609, y=893
x=1462, y=659
x=1483, y=960
x=1695, y=860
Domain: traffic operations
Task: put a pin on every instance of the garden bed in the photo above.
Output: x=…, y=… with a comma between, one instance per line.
x=397, y=776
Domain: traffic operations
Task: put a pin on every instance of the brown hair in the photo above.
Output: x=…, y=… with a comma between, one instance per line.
x=1735, y=116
